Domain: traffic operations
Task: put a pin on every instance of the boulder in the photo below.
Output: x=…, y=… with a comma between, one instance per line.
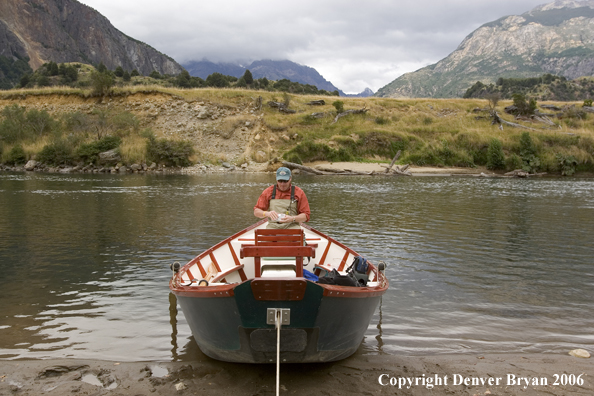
x=110, y=157
x=580, y=353
x=30, y=165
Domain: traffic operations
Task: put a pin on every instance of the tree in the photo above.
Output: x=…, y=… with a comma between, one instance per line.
x=155, y=74
x=101, y=83
x=217, y=80
x=25, y=80
x=524, y=106
x=495, y=156
x=119, y=71
x=248, y=78
x=183, y=79
x=134, y=73
x=126, y=76
x=101, y=68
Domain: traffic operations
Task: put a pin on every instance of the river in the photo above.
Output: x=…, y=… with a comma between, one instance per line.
x=476, y=265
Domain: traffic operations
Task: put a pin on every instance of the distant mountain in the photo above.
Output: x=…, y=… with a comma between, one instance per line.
x=367, y=92
x=205, y=68
x=556, y=38
x=271, y=69
x=68, y=31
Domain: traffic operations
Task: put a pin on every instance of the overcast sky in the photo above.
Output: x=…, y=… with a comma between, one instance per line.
x=353, y=45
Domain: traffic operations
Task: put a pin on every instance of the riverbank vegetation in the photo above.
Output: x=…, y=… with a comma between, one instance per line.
x=44, y=124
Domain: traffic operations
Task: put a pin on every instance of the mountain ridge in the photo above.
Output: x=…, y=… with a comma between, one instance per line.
x=271, y=69
x=69, y=31
x=554, y=38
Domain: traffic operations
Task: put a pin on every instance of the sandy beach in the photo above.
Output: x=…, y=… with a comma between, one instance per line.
x=495, y=374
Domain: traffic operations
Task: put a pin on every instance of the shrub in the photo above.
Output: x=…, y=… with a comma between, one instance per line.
x=169, y=152
x=513, y=162
x=293, y=157
x=587, y=103
x=286, y=99
x=101, y=83
x=339, y=106
x=16, y=156
x=495, y=156
x=13, y=127
x=523, y=105
x=310, y=151
x=528, y=153
x=567, y=164
x=56, y=153
x=40, y=122
x=89, y=152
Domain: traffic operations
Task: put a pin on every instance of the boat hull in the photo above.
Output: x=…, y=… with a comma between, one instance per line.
x=324, y=325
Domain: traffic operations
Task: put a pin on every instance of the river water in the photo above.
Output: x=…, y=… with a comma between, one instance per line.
x=475, y=265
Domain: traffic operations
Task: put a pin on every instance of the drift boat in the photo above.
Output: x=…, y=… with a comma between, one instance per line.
x=246, y=299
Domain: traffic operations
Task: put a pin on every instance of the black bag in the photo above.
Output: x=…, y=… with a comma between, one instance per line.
x=334, y=278
x=359, y=269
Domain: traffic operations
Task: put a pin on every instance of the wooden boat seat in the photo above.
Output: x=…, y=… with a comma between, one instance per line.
x=221, y=275
x=278, y=253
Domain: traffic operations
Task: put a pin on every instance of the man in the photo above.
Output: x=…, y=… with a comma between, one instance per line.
x=283, y=204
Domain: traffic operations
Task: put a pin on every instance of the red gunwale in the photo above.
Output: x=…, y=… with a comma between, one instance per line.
x=227, y=290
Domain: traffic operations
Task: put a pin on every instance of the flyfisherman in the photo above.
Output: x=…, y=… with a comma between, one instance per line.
x=284, y=204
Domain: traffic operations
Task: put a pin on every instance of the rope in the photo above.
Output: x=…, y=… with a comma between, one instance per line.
x=278, y=328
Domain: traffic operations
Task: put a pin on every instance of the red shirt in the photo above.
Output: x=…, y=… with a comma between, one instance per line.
x=266, y=196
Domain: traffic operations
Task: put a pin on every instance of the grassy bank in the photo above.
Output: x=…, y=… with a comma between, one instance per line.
x=428, y=132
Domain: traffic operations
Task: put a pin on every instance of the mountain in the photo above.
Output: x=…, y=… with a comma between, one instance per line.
x=367, y=92
x=205, y=68
x=68, y=31
x=556, y=38
x=271, y=69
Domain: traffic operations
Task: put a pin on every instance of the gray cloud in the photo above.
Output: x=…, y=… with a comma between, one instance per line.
x=354, y=45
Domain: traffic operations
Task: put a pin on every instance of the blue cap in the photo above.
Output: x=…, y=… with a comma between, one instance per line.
x=283, y=173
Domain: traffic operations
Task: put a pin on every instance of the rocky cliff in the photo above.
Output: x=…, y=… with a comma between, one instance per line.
x=68, y=31
x=556, y=38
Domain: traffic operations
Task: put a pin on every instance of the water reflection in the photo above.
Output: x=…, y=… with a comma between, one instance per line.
x=476, y=265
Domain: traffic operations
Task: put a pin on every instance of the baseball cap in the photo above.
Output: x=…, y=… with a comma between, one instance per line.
x=283, y=173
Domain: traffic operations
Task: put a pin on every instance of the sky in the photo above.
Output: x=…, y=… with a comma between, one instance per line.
x=353, y=44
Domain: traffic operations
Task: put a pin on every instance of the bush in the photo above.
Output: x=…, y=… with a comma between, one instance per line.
x=309, y=151
x=339, y=106
x=55, y=154
x=89, y=153
x=513, y=162
x=528, y=153
x=16, y=156
x=495, y=156
x=567, y=164
x=13, y=127
x=39, y=122
x=101, y=83
x=169, y=152
x=524, y=106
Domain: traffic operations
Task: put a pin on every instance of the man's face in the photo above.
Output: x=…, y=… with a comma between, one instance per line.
x=283, y=185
